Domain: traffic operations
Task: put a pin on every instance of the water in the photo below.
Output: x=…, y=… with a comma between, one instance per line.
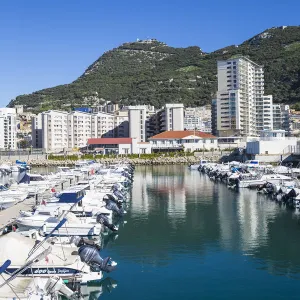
x=187, y=237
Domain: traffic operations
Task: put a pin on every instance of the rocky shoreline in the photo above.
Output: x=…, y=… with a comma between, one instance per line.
x=135, y=161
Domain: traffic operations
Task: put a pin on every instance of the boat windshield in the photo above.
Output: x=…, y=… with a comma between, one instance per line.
x=3, y=188
x=36, y=178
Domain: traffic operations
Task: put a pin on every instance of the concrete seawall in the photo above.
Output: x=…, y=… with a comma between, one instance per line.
x=163, y=160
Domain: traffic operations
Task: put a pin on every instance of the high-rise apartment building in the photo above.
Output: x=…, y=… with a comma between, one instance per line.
x=172, y=117
x=8, y=128
x=61, y=131
x=214, y=118
x=240, y=95
x=282, y=118
x=37, y=131
x=138, y=121
x=55, y=130
x=79, y=129
x=264, y=113
x=145, y=121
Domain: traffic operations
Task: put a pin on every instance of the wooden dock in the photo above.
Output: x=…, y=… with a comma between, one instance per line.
x=8, y=215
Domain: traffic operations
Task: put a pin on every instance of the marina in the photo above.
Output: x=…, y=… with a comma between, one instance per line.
x=169, y=218
x=52, y=230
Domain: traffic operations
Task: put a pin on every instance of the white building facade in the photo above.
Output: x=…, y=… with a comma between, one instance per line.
x=145, y=121
x=240, y=95
x=8, y=129
x=138, y=116
x=264, y=113
x=57, y=131
x=188, y=141
x=271, y=142
x=197, y=118
x=172, y=117
x=55, y=135
x=282, y=118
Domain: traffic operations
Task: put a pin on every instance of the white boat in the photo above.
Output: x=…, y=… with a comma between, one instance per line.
x=34, y=184
x=72, y=226
x=34, y=261
x=34, y=288
x=260, y=180
x=196, y=166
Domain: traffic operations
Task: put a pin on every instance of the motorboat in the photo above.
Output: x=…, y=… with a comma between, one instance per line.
x=26, y=288
x=34, y=184
x=12, y=192
x=196, y=166
x=72, y=225
x=254, y=181
x=79, y=263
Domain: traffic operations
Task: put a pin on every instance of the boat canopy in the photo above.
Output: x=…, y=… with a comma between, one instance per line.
x=73, y=195
x=11, y=244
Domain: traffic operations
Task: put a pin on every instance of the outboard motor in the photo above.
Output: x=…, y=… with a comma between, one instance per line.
x=261, y=187
x=80, y=241
x=113, y=199
x=120, y=189
x=102, y=219
x=118, y=194
x=90, y=255
x=114, y=207
x=292, y=194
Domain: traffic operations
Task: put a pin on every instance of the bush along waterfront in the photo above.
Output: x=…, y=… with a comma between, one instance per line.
x=136, y=159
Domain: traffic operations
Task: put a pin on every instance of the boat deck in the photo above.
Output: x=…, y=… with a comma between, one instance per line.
x=9, y=215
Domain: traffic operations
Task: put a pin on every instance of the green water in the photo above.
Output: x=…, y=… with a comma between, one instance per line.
x=189, y=238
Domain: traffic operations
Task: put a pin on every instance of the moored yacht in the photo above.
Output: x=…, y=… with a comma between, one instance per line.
x=246, y=182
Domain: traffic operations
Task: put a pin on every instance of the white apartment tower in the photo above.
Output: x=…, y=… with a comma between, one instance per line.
x=63, y=131
x=264, y=113
x=79, y=129
x=240, y=95
x=172, y=117
x=8, y=128
x=55, y=130
x=137, y=121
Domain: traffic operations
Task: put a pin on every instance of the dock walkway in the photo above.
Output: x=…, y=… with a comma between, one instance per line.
x=9, y=215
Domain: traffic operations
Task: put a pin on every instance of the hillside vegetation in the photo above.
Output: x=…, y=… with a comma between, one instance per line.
x=153, y=73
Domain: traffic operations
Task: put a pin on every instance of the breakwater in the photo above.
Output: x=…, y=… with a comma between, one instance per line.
x=162, y=160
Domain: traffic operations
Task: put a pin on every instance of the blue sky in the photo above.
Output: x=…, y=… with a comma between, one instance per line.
x=50, y=42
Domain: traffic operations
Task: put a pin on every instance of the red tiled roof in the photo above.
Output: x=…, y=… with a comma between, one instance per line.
x=109, y=141
x=182, y=135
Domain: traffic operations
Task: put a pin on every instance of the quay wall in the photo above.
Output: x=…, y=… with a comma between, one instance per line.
x=164, y=160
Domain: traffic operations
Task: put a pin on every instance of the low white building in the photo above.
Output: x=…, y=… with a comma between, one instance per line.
x=118, y=146
x=183, y=140
x=8, y=128
x=271, y=142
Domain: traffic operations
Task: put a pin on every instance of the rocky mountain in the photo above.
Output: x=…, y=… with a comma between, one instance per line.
x=151, y=72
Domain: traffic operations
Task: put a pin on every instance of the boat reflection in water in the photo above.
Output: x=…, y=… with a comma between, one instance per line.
x=93, y=292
